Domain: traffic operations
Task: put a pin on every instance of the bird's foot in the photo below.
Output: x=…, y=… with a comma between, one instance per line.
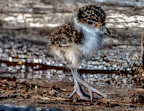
x=78, y=90
x=89, y=87
x=94, y=90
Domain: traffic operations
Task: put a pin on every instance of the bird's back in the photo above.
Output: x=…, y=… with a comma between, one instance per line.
x=65, y=35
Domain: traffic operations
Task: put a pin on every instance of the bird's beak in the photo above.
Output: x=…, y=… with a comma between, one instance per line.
x=105, y=30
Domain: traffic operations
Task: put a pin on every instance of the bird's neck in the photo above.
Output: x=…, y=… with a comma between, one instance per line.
x=77, y=25
x=85, y=29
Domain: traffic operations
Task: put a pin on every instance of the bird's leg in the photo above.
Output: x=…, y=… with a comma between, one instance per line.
x=90, y=88
x=77, y=89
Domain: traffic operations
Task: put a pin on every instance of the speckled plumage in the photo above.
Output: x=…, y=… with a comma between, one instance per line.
x=65, y=34
x=91, y=12
x=74, y=35
x=77, y=40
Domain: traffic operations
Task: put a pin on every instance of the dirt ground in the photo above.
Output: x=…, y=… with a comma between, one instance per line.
x=47, y=95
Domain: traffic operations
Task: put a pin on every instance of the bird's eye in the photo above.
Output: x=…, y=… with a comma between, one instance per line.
x=89, y=22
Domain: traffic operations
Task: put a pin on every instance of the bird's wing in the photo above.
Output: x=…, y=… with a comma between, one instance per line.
x=65, y=36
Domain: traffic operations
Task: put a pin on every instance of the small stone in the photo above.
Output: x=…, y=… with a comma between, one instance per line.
x=53, y=92
x=75, y=100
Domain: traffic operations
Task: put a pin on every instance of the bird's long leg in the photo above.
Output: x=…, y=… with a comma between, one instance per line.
x=77, y=89
x=90, y=88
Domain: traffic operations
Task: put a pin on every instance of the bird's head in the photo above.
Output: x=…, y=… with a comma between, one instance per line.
x=93, y=16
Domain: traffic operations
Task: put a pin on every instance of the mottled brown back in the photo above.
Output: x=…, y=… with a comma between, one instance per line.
x=65, y=34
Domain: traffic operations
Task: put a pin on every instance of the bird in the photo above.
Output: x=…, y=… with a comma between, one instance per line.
x=80, y=39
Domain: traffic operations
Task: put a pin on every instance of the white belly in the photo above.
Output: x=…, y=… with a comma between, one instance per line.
x=90, y=46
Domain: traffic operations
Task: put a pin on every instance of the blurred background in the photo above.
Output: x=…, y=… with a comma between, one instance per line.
x=29, y=15
x=26, y=24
